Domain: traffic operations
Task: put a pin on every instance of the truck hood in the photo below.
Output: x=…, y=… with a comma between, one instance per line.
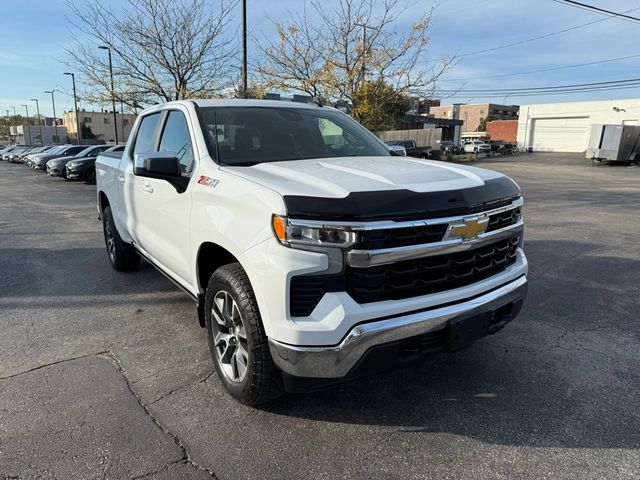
x=376, y=187
x=338, y=177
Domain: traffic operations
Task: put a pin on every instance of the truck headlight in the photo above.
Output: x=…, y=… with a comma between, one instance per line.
x=300, y=234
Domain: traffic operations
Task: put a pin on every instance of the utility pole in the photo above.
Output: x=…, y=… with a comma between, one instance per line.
x=38, y=117
x=244, y=49
x=75, y=103
x=26, y=107
x=363, y=62
x=55, y=120
x=113, y=93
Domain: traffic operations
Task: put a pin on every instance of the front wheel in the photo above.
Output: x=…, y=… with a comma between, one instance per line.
x=237, y=340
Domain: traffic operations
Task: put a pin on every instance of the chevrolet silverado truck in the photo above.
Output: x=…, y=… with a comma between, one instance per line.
x=313, y=254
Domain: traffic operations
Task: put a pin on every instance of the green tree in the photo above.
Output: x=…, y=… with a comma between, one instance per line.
x=332, y=52
x=379, y=106
x=482, y=126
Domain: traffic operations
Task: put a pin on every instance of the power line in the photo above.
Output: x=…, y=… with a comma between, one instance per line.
x=608, y=60
x=528, y=40
x=598, y=9
x=549, y=87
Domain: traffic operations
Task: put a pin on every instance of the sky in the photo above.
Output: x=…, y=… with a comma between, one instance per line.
x=36, y=31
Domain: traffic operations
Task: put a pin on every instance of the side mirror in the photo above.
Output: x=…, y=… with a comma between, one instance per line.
x=157, y=165
x=163, y=166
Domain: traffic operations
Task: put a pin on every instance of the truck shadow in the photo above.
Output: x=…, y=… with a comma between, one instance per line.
x=564, y=373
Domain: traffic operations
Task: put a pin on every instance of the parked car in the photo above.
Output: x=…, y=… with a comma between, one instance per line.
x=450, y=147
x=56, y=166
x=4, y=154
x=305, y=251
x=13, y=156
x=85, y=168
x=411, y=149
x=476, y=146
x=40, y=160
x=31, y=157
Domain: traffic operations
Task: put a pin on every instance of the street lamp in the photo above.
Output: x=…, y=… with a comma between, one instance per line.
x=38, y=117
x=55, y=120
x=26, y=107
x=75, y=103
x=244, y=49
x=113, y=92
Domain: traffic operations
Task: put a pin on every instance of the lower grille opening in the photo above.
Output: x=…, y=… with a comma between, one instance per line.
x=406, y=279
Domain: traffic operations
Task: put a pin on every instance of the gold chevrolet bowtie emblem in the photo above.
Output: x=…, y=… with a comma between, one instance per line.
x=469, y=229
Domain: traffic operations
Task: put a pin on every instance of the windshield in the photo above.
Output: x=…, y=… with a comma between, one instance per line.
x=251, y=135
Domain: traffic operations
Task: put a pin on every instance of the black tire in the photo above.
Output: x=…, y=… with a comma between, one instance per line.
x=90, y=176
x=250, y=375
x=122, y=255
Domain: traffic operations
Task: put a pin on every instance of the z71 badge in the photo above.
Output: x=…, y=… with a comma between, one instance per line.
x=208, y=181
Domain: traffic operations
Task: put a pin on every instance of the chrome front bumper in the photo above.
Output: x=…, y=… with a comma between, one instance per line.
x=337, y=361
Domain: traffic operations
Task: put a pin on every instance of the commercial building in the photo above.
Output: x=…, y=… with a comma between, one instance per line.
x=505, y=130
x=30, y=135
x=565, y=127
x=472, y=115
x=98, y=126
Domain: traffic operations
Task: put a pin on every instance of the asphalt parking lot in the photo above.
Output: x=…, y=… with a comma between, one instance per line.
x=107, y=375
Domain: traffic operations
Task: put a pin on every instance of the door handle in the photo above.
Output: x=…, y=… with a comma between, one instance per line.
x=147, y=187
x=121, y=179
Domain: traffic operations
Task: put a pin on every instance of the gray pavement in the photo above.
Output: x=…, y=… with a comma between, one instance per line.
x=107, y=375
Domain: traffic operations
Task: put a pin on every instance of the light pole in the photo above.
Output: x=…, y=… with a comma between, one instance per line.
x=55, y=120
x=26, y=107
x=75, y=103
x=244, y=49
x=113, y=93
x=38, y=117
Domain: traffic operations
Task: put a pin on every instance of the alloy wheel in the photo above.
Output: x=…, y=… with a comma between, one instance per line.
x=229, y=337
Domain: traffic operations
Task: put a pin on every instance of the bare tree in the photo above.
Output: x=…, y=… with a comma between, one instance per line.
x=333, y=53
x=162, y=49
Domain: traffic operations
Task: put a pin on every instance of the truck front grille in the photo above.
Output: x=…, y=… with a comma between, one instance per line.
x=405, y=279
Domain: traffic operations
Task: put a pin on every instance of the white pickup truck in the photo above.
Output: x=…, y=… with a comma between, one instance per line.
x=314, y=254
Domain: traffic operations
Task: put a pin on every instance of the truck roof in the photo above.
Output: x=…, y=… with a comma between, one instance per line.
x=240, y=102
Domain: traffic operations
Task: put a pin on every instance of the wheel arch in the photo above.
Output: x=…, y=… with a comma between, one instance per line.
x=103, y=201
x=209, y=258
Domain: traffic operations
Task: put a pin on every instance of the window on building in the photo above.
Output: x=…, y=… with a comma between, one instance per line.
x=106, y=121
x=125, y=121
x=87, y=120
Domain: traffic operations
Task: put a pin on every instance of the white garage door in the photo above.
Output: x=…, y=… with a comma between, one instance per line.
x=567, y=134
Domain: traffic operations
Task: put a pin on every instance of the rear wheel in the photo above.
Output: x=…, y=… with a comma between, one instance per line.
x=122, y=255
x=237, y=340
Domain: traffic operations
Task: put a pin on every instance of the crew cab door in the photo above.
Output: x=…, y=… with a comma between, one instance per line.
x=159, y=213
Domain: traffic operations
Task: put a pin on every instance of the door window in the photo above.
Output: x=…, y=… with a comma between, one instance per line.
x=146, y=138
x=176, y=139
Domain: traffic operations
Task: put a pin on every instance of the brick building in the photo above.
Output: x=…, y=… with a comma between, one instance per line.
x=506, y=130
x=472, y=114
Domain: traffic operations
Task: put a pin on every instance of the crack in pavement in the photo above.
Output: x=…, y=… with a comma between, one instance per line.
x=171, y=392
x=50, y=364
x=185, y=454
x=116, y=362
